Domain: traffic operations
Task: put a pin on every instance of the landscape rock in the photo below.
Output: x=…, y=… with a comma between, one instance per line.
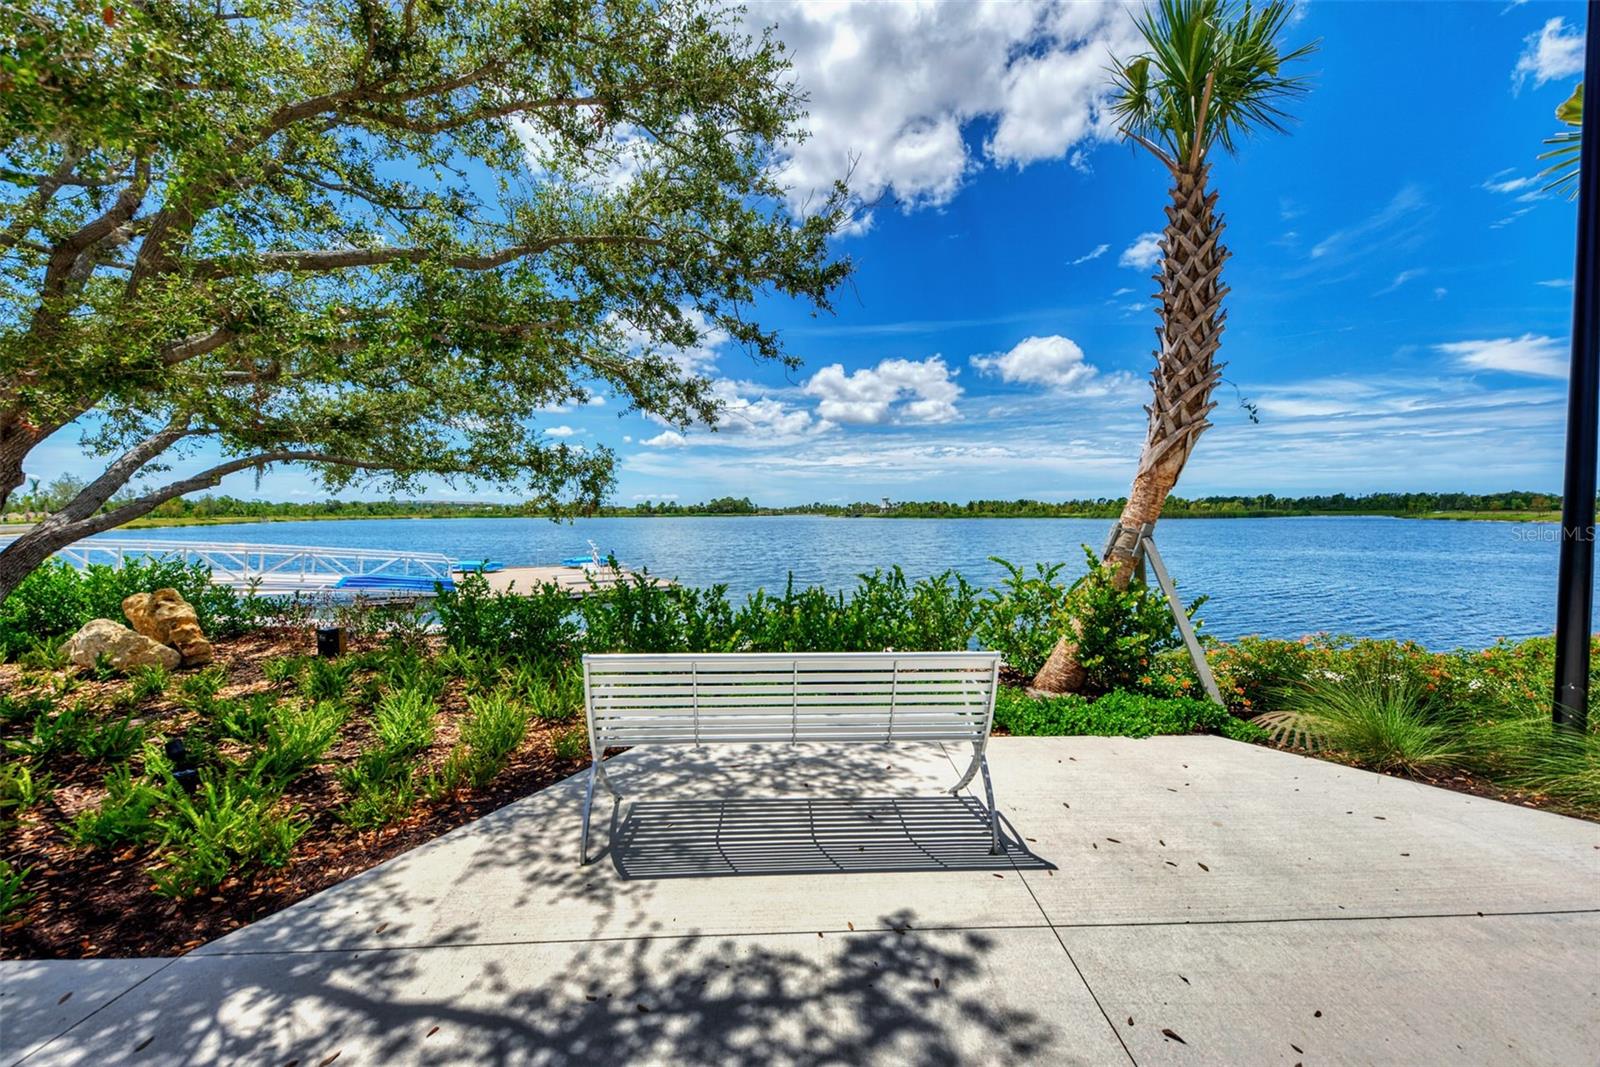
x=122, y=648
x=166, y=617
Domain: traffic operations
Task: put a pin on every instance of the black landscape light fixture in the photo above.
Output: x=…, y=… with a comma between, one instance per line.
x=1575, y=593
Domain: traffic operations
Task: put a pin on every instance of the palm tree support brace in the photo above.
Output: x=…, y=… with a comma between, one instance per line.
x=1143, y=549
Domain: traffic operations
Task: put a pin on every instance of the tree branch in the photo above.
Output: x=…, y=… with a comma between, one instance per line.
x=123, y=468
x=65, y=254
x=197, y=345
x=209, y=479
x=466, y=118
x=329, y=259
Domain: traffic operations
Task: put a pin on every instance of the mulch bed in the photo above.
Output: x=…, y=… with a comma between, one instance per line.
x=94, y=903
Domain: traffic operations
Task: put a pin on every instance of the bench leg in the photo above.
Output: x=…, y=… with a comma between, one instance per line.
x=588, y=805
x=971, y=772
x=597, y=773
x=980, y=764
x=988, y=795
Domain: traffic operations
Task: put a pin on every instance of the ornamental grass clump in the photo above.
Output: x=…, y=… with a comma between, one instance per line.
x=1380, y=718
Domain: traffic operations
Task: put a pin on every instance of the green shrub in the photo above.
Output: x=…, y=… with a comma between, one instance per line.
x=536, y=622
x=375, y=805
x=1115, y=714
x=126, y=816
x=403, y=667
x=571, y=743
x=20, y=789
x=52, y=732
x=557, y=696
x=1253, y=672
x=229, y=824
x=113, y=739
x=245, y=719
x=198, y=691
x=448, y=778
x=403, y=721
x=296, y=738
x=1021, y=619
x=287, y=669
x=328, y=679
x=16, y=708
x=638, y=614
x=13, y=897
x=1120, y=632
x=379, y=787
x=149, y=682
x=493, y=728
x=45, y=654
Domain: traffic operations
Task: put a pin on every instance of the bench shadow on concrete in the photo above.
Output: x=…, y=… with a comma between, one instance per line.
x=728, y=837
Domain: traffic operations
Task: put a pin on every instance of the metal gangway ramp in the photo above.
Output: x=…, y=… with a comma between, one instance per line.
x=269, y=569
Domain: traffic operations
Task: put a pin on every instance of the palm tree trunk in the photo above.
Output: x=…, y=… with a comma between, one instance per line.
x=1184, y=378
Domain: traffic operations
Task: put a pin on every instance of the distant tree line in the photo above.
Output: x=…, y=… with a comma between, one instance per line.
x=43, y=499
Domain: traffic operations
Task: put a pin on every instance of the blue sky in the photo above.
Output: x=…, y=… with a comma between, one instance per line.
x=1401, y=288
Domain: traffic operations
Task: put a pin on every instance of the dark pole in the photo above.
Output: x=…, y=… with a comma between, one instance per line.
x=1575, y=597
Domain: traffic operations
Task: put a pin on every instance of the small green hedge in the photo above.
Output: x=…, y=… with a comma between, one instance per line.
x=1116, y=714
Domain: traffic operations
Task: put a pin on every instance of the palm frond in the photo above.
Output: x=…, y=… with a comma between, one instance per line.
x=1563, y=168
x=1211, y=74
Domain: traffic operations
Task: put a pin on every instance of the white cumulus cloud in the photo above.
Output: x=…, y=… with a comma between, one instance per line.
x=892, y=87
x=1556, y=51
x=1534, y=355
x=1054, y=362
x=665, y=439
x=1144, y=253
x=746, y=409
x=896, y=390
x=560, y=431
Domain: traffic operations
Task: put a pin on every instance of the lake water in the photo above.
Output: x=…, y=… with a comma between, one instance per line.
x=1445, y=584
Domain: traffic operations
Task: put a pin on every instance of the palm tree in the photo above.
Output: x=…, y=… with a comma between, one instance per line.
x=1563, y=168
x=1210, y=75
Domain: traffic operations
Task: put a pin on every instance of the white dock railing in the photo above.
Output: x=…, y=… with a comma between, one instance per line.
x=270, y=568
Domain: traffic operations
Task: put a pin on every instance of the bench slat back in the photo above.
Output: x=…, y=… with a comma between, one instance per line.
x=783, y=697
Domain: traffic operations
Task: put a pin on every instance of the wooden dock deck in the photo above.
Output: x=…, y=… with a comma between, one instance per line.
x=571, y=579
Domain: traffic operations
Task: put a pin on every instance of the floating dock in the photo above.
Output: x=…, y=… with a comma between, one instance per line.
x=283, y=570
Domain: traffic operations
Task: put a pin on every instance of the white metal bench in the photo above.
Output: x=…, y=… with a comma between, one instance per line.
x=786, y=698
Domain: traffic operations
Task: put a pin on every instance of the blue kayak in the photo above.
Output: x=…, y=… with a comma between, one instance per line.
x=477, y=567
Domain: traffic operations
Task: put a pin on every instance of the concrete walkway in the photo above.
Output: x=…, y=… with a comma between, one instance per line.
x=1178, y=900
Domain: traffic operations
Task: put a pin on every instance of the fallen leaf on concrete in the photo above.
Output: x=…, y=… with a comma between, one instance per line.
x=1165, y=1032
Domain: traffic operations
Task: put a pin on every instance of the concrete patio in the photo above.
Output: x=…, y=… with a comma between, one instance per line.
x=1173, y=900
